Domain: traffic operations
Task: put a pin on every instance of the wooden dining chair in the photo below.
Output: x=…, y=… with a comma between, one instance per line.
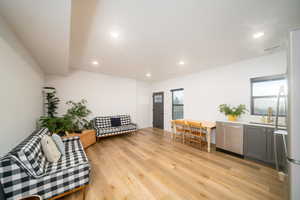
x=196, y=133
x=180, y=128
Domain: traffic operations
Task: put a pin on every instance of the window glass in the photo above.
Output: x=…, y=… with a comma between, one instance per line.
x=262, y=105
x=268, y=88
x=177, y=104
x=158, y=98
x=264, y=95
x=178, y=97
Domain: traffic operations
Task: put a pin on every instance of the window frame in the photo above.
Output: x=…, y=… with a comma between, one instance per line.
x=263, y=79
x=173, y=105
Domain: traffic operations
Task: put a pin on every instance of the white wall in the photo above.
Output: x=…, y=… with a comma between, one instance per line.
x=206, y=90
x=21, y=82
x=106, y=95
x=143, y=104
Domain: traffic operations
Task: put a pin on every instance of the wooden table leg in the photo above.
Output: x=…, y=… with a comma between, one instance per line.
x=173, y=131
x=208, y=134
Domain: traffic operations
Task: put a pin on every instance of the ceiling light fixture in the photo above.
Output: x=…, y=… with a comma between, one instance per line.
x=95, y=62
x=114, y=34
x=258, y=35
x=148, y=75
x=181, y=62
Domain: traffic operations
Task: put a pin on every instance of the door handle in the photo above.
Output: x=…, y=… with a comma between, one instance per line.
x=234, y=126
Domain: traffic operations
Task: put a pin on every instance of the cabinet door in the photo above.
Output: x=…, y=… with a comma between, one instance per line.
x=279, y=148
x=234, y=138
x=281, y=152
x=270, y=150
x=255, y=142
x=220, y=135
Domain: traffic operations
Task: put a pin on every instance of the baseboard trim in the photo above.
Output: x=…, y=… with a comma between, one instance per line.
x=230, y=153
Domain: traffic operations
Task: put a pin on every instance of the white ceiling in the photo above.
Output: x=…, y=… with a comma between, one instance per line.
x=154, y=35
x=44, y=29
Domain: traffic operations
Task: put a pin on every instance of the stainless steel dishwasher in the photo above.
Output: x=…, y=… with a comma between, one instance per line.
x=229, y=137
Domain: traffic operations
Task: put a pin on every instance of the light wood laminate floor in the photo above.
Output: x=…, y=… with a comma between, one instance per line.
x=148, y=165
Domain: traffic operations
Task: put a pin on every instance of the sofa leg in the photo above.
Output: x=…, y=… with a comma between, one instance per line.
x=83, y=193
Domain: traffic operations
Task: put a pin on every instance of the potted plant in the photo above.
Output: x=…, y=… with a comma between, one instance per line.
x=232, y=113
x=58, y=125
x=78, y=113
x=52, y=101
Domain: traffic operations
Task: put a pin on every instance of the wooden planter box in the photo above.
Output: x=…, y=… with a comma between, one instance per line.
x=32, y=197
x=87, y=137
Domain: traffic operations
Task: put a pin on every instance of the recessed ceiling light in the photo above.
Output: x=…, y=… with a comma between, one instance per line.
x=95, y=62
x=258, y=35
x=114, y=34
x=148, y=75
x=181, y=62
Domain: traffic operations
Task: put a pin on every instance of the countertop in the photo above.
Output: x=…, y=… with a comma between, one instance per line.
x=255, y=124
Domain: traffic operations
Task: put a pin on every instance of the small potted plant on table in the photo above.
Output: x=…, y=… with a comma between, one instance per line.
x=232, y=113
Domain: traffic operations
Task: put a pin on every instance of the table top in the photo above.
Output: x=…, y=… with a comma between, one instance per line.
x=206, y=124
x=85, y=132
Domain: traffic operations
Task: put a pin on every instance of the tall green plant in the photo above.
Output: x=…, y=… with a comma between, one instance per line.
x=235, y=111
x=78, y=113
x=51, y=102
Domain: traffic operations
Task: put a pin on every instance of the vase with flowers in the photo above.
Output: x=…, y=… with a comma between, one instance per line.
x=232, y=113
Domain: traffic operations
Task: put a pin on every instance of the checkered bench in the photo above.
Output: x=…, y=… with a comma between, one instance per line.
x=25, y=171
x=104, y=128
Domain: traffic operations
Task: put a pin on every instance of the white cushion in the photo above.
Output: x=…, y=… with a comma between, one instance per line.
x=50, y=149
x=59, y=143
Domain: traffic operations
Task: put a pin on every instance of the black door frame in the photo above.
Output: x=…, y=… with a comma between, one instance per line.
x=163, y=106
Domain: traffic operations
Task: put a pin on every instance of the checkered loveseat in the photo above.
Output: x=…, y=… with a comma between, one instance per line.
x=104, y=127
x=25, y=171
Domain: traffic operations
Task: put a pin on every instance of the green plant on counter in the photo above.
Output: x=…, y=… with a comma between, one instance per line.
x=234, y=111
x=78, y=113
x=58, y=125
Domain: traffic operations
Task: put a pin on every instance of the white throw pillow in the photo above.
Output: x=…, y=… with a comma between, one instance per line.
x=59, y=143
x=50, y=149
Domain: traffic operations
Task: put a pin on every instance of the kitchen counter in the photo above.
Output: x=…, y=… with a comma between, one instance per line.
x=253, y=141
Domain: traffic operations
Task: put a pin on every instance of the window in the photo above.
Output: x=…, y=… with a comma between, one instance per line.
x=177, y=103
x=264, y=92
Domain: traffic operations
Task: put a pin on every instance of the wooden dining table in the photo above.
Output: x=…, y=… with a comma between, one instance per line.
x=208, y=126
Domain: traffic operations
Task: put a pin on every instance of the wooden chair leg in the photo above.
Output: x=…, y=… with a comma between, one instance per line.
x=200, y=142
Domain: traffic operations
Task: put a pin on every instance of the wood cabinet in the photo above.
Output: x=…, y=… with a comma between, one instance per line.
x=255, y=142
x=87, y=137
x=259, y=145
x=279, y=149
x=230, y=137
